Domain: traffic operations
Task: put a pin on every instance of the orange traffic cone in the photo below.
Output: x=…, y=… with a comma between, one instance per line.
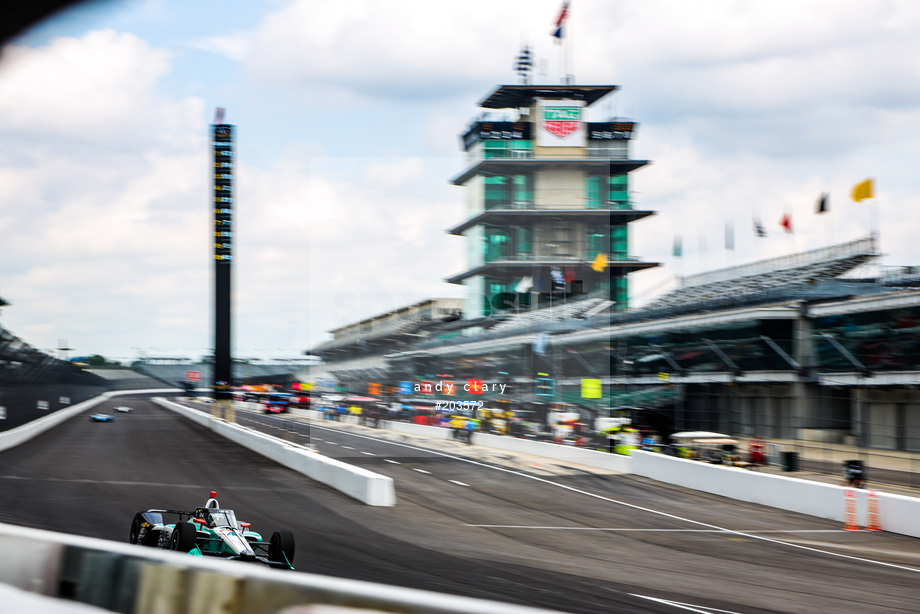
x=850, y=522
x=874, y=524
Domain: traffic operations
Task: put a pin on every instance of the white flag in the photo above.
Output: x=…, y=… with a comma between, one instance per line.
x=524, y=285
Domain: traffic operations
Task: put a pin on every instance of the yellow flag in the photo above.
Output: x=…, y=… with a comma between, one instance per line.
x=600, y=262
x=862, y=191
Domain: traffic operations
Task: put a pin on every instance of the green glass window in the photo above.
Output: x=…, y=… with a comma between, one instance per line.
x=506, y=149
x=496, y=192
x=607, y=191
x=595, y=241
x=619, y=242
x=503, y=192
x=523, y=189
x=618, y=191
x=523, y=242
x=621, y=293
x=498, y=244
x=594, y=188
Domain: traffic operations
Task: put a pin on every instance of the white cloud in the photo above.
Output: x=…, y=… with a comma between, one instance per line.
x=746, y=108
x=98, y=191
x=233, y=46
x=395, y=50
x=89, y=88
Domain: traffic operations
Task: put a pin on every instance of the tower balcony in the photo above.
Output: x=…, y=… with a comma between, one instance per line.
x=520, y=268
x=512, y=166
x=527, y=217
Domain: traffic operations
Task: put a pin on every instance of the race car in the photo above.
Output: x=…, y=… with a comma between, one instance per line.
x=212, y=531
x=101, y=418
x=124, y=409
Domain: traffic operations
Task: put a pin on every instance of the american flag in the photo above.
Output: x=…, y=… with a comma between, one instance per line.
x=563, y=13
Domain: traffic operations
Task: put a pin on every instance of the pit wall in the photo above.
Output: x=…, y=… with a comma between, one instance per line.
x=896, y=513
x=131, y=579
x=365, y=486
x=571, y=454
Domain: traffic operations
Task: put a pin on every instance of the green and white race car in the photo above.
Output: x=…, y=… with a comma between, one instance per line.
x=212, y=531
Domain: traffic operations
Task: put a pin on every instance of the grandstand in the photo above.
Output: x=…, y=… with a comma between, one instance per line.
x=387, y=332
x=127, y=379
x=33, y=383
x=174, y=371
x=750, y=279
x=568, y=310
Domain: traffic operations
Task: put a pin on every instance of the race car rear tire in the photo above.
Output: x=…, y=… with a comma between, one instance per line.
x=183, y=537
x=135, y=530
x=281, y=547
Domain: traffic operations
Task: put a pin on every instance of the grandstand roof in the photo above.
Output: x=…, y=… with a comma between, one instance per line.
x=804, y=267
x=562, y=311
x=403, y=321
x=516, y=96
x=523, y=216
x=519, y=268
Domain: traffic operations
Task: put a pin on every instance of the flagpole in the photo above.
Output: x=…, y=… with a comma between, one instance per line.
x=562, y=78
x=565, y=43
x=873, y=217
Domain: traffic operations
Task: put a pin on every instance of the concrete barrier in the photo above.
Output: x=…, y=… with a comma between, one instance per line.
x=897, y=514
x=128, y=578
x=419, y=429
x=21, y=434
x=356, y=482
x=571, y=454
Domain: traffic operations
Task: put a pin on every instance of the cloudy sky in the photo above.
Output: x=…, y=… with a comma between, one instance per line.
x=348, y=117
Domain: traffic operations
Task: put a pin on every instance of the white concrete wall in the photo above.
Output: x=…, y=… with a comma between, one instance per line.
x=163, y=582
x=897, y=514
x=365, y=486
x=571, y=454
x=419, y=429
x=25, y=432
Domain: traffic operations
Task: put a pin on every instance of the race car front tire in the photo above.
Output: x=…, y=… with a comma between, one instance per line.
x=183, y=537
x=281, y=547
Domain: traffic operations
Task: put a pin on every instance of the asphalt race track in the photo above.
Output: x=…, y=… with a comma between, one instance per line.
x=467, y=521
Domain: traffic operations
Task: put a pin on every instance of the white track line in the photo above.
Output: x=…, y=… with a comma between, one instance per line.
x=633, y=506
x=461, y=484
x=421, y=471
x=392, y=461
x=685, y=606
x=513, y=526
